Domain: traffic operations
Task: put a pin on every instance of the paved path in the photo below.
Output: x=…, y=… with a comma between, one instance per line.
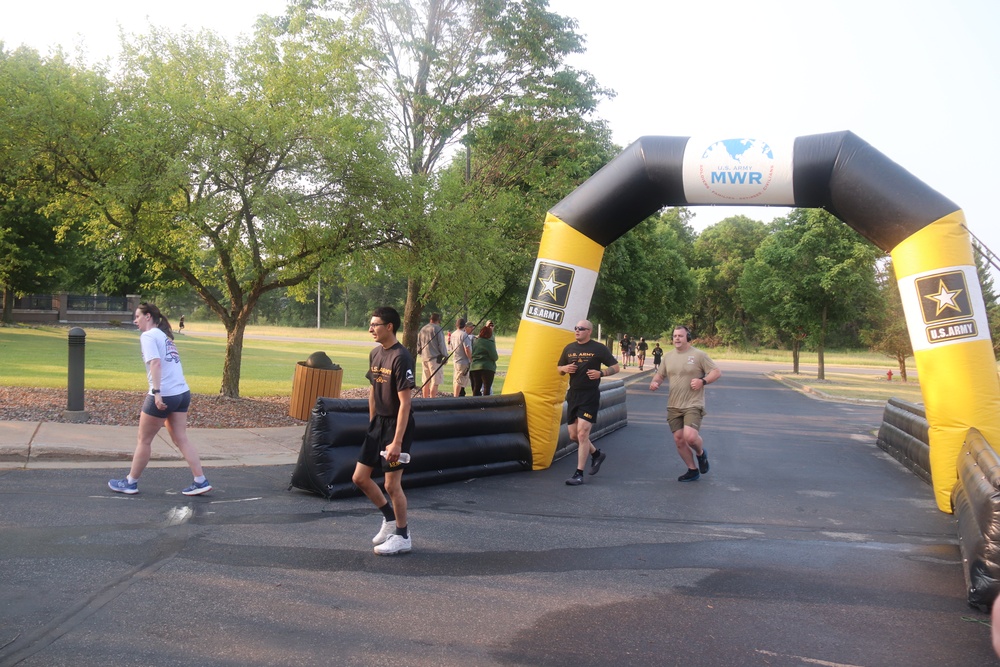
x=805, y=545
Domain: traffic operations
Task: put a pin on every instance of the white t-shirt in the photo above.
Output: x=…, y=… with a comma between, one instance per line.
x=156, y=345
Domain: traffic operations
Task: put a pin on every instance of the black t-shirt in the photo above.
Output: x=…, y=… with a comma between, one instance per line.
x=586, y=356
x=391, y=371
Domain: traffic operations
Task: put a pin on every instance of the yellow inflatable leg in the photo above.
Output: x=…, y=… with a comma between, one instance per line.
x=559, y=296
x=946, y=318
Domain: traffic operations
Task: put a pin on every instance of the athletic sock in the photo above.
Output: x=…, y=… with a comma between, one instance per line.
x=403, y=532
x=596, y=454
x=199, y=479
x=579, y=472
x=388, y=512
x=131, y=479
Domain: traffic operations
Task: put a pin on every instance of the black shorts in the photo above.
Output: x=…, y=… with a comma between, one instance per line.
x=175, y=403
x=582, y=405
x=381, y=431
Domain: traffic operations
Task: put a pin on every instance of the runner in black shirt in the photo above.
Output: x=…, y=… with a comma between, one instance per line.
x=582, y=360
x=390, y=430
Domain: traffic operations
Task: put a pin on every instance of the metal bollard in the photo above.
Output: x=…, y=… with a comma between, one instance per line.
x=74, y=395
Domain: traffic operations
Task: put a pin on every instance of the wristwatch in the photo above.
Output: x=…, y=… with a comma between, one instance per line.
x=154, y=391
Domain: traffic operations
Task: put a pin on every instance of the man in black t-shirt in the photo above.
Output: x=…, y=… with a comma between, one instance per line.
x=582, y=361
x=390, y=430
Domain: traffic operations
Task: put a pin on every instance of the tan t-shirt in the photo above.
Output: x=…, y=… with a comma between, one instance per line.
x=679, y=368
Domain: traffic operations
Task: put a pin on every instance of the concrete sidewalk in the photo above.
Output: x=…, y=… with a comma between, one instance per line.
x=57, y=445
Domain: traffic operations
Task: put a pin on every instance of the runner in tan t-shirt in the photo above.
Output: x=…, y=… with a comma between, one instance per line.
x=688, y=370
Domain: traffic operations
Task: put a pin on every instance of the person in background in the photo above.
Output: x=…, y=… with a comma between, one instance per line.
x=433, y=355
x=483, y=368
x=688, y=370
x=461, y=351
x=166, y=403
x=657, y=355
x=582, y=361
x=641, y=348
x=390, y=431
x=623, y=348
x=180, y=324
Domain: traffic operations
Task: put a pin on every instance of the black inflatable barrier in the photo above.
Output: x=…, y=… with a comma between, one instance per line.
x=903, y=435
x=611, y=416
x=455, y=439
x=975, y=500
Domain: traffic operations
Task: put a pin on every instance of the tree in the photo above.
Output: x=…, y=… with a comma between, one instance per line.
x=239, y=170
x=810, y=273
x=888, y=333
x=720, y=254
x=38, y=251
x=644, y=284
x=444, y=67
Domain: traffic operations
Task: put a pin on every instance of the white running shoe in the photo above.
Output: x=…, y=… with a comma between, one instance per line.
x=396, y=544
x=388, y=528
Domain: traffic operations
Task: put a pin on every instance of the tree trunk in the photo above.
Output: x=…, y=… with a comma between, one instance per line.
x=820, y=365
x=235, y=328
x=796, y=346
x=411, y=315
x=346, y=305
x=8, y=306
x=902, y=367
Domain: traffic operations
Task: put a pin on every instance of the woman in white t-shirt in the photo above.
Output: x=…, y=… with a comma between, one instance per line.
x=166, y=403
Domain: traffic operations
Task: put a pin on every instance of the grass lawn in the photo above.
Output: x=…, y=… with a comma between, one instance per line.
x=870, y=386
x=37, y=357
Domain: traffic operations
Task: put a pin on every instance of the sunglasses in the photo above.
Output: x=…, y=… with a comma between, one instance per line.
x=581, y=328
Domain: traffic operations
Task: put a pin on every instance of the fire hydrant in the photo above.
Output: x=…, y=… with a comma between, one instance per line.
x=888, y=376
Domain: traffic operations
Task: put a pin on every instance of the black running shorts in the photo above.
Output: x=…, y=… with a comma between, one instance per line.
x=381, y=431
x=582, y=404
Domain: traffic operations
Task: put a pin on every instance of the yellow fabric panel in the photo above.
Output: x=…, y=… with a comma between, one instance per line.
x=533, y=371
x=942, y=243
x=958, y=381
x=562, y=243
x=537, y=347
x=959, y=388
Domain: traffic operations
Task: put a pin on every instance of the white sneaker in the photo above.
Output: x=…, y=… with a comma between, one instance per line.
x=388, y=528
x=396, y=544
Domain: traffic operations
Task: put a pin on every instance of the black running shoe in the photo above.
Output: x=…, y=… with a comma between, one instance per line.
x=689, y=476
x=703, y=461
x=596, y=461
x=576, y=479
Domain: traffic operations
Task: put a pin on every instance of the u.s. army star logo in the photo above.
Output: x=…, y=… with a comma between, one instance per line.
x=549, y=293
x=943, y=296
x=945, y=307
x=552, y=285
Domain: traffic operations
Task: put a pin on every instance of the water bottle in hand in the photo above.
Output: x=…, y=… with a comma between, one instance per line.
x=403, y=456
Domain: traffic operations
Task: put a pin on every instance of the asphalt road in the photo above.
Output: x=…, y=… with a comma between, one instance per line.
x=804, y=545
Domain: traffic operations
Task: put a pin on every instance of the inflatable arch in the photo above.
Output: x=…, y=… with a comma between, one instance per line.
x=924, y=232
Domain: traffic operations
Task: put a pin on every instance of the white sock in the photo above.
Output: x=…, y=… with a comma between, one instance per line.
x=131, y=479
x=199, y=479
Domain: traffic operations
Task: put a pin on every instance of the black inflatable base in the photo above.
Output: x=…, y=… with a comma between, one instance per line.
x=455, y=439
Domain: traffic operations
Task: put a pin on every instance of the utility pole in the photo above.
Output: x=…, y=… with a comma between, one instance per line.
x=319, y=281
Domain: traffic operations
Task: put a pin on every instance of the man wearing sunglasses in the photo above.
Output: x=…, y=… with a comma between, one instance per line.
x=582, y=361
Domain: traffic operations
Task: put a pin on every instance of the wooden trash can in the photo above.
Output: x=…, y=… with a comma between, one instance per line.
x=308, y=384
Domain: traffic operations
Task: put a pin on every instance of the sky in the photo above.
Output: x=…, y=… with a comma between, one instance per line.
x=918, y=80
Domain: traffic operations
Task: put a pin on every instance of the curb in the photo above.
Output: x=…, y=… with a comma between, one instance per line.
x=818, y=395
